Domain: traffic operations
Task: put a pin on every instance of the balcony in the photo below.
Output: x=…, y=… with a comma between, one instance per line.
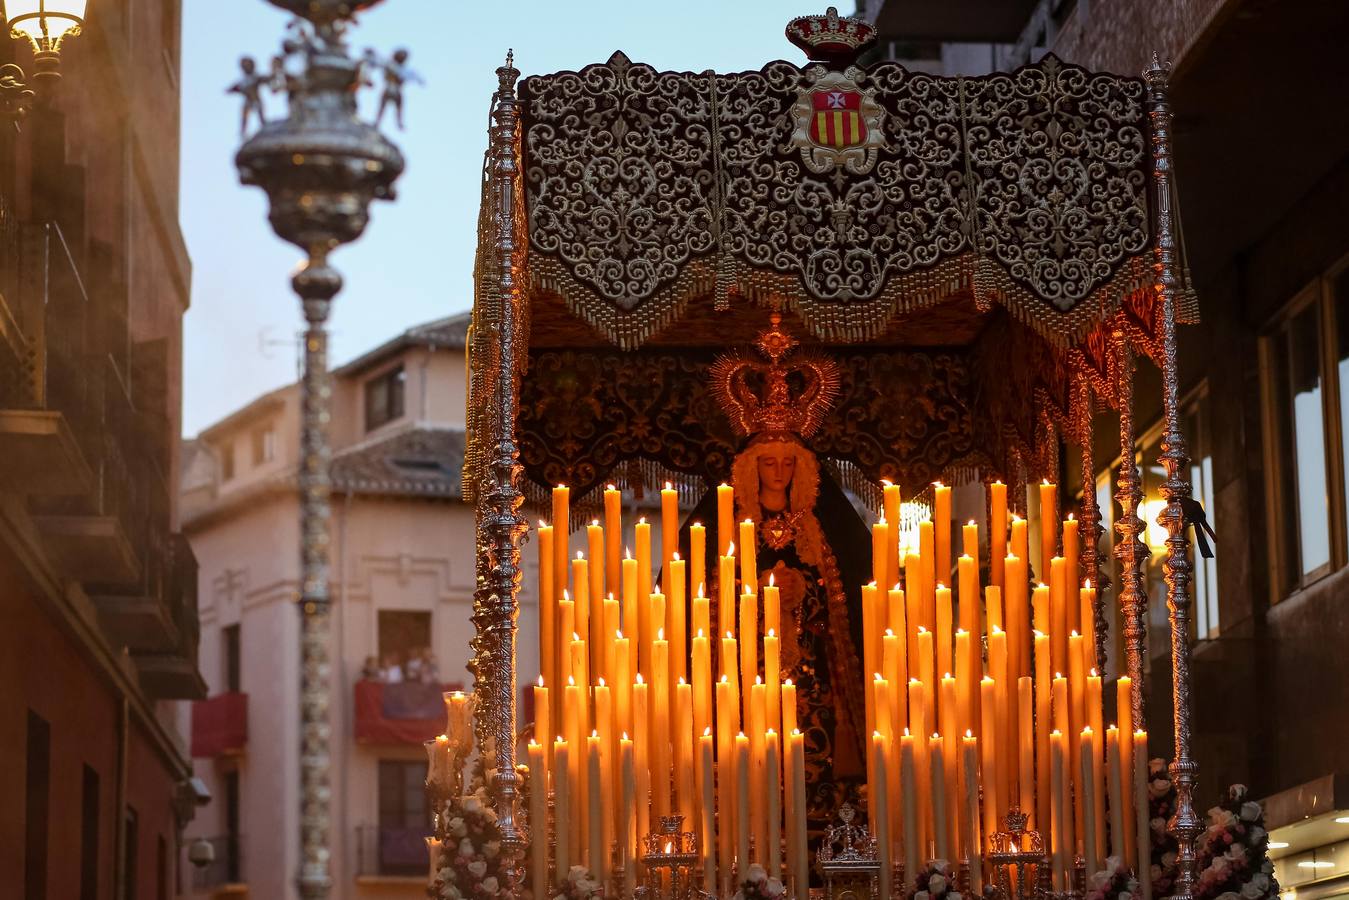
x=220, y=725
x=86, y=438
x=393, y=714
x=391, y=855
x=225, y=874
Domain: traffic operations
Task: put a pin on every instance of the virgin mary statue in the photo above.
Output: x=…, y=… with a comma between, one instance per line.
x=810, y=542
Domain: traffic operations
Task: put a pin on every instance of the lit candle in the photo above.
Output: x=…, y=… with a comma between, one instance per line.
x=993, y=607
x=997, y=530
x=580, y=667
x=641, y=733
x=966, y=717
x=725, y=519
x=919, y=725
x=1124, y=715
x=1087, y=614
x=562, y=824
x=726, y=593
x=1004, y=692
x=1040, y=609
x=880, y=541
x=708, y=806
x=613, y=620
x=608, y=737
x=1049, y=519
x=944, y=629
x=574, y=703
x=772, y=678
x=651, y=628
x=969, y=542
x=547, y=609
x=561, y=531
x=772, y=607
x=749, y=571
x=950, y=762
x=642, y=535
x=1077, y=720
x=799, y=855
x=988, y=751
x=757, y=727
x=1118, y=844
x=913, y=595
x=702, y=682
x=433, y=857
x=660, y=724
x=632, y=617
x=749, y=641
x=542, y=727
x=538, y=812
x=698, y=559
x=880, y=815
x=773, y=805
x=908, y=782
x=969, y=766
x=702, y=615
x=936, y=751
x=1141, y=814
x=669, y=530
x=1044, y=711
x=927, y=558
x=742, y=816
x=1088, y=799
x=927, y=670
x=896, y=672
x=613, y=538
x=1058, y=615
x=628, y=809
x=1095, y=720
x=891, y=513
x=941, y=520
x=622, y=684
x=685, y=770
x=1072, y=579
x=1025, y=706
x=595, y=574
x=788, y=707
x=730, y=668
x=1062, y=846
x=1064, y=823
x=871, y=660
x=676, y=622
x=967, y=584
x=727, y=718
x=1017, y=596
x=595, y=825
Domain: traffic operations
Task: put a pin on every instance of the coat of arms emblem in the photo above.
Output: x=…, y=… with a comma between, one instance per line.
x=838, y=123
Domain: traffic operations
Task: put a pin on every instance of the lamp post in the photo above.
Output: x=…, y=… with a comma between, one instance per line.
x=321, y=167
x=45, y=24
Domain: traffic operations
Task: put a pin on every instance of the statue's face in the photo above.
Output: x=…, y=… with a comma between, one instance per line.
x=777, y=465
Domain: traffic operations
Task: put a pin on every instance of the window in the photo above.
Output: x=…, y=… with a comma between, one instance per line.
x=1305, y=364
x=264, y=445
x=404, y=636
x=131, y=853
x=227, y=461
x=404, y=820
x=384, y=398
x=230, y=636
x=89, y=836
x=1194, y=426
x=37, y=799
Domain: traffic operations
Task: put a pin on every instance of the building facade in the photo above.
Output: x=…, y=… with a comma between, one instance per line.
x=1262, y=162
x=97, y=586
x=403, y=576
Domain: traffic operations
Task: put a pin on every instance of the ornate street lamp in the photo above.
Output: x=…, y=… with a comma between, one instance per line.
x=45, y=24
x=321, y=166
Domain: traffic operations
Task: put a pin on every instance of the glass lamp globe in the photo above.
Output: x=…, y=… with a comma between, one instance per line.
x=45, y=24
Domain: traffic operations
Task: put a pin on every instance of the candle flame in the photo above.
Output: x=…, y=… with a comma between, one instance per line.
x=660, y=634
x=668, y=847
x=655, y=590
x=542, y=523
x=758, y=679
x=741, y=736
x=897, y=587
x=565, y=596
x=1074, y=633
x=772, y=581
x=540, y=681
x=787, y=683
x=618, y=634
x=1093, y=672
x=725, y=680
x=922, y=629
x=701, y=587
x=730, y=549
x=772, y=632
x=696, y=524
x=906, y=732
x=1041, y=586
x=625, y=736
x=561, y=740
x=940, y=586
x=610, y=487
x=960, y=631
x=1086, y=583
x=729, y=636
x=561, y=487
x=627, y=553
x=707, y=732
x=938, y=484
x=1058, y=675
x=580, y=555
x=575, y=636
x=682, y=681
x=887, y=482
x=442, y=739
x=946, y=676
x=700, y=633
x=571, y=681
x=642, y=520
x=669, y=486
x=1070, y=517
x=675, y=557
x=997, y=629
x=881, y=521
x=878, y=677
x=913, y=681
x=936, y=736
x=1056, y=733
x=1086, y=729
x=889, y=632
x=723, y=485
x=998, y=482
x=1015, y=518
x=601, y=684
x=971, y=522
x=594, y=732
x=1045, y=483
x=639, y=679
x=968, y=733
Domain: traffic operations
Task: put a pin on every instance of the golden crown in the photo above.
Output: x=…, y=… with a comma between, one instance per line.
x=791, y=393
x=831, y=38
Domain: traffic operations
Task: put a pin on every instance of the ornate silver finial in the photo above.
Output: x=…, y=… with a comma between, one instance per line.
x=1157, y=69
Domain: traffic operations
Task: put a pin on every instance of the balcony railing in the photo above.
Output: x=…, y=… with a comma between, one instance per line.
x=391, y=851
x=226, y=868
x=402, y=713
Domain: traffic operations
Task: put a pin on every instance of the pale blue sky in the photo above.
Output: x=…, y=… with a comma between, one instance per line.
x=415, y=260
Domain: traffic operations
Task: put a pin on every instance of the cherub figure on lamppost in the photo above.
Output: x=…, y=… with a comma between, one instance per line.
x=397, y=75
x=249, y=87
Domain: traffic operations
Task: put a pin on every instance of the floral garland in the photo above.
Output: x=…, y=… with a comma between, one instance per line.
x=934, y=881
x=1115, y=882
x=758, y=886
x=470, y=858
x=579, y=884
x=1232, y=854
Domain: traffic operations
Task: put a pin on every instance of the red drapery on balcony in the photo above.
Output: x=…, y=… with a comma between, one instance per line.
x=220, y=725
x=409, y=713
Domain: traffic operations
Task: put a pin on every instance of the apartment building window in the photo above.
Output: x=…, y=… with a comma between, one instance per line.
x=404, y=641
x=1194, y=426
x=229, y=636
x=404, y=820
x=384, y=398
x=227, y=460
x=1305, y=365
x=264, y=445
x=37, y=802
x=89, y=836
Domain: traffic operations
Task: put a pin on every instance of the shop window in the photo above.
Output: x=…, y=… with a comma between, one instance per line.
x=384, y=398
x=1305, y=364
